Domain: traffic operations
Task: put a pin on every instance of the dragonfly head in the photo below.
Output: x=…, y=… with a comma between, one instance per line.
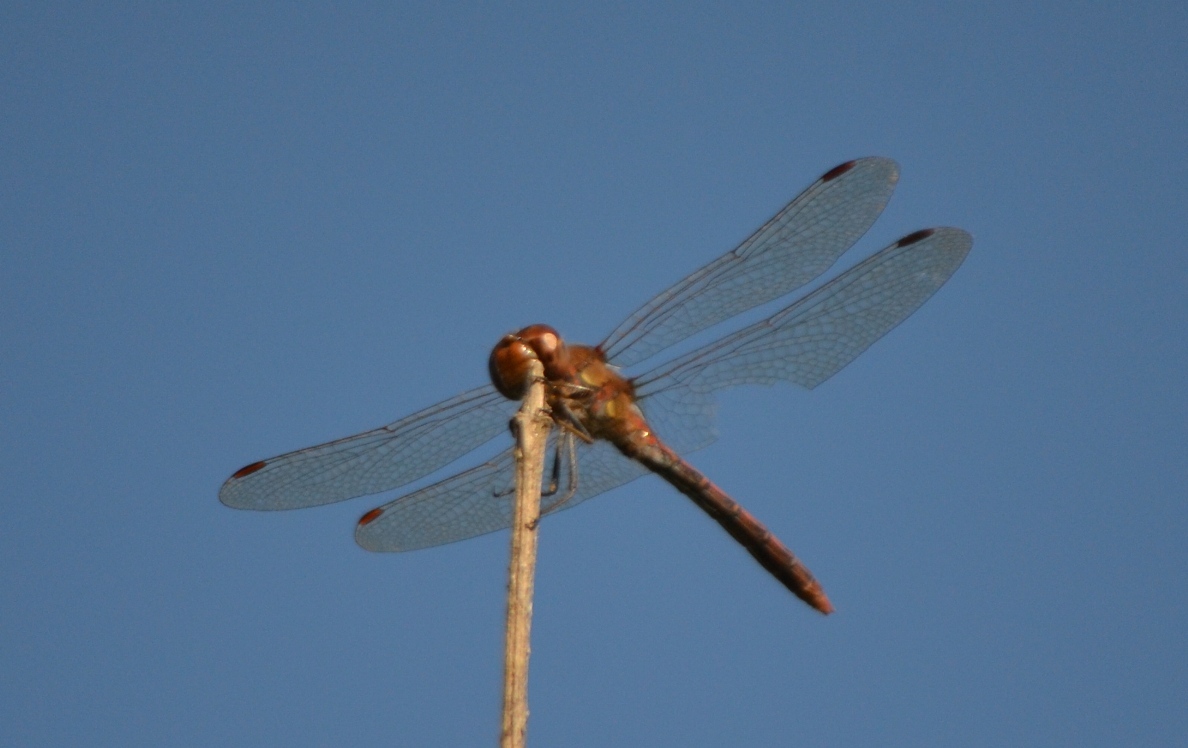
x=511, y=357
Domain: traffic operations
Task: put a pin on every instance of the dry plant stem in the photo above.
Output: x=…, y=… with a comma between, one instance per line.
x=533, y=426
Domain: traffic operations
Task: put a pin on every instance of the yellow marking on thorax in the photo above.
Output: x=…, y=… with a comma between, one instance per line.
x=588, y=377
x=612, y=408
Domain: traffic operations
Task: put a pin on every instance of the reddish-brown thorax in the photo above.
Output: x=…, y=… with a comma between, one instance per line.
x=580, y=382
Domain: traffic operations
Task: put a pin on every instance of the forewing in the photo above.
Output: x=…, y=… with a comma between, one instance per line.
x=374, y=461
x=814, y=338
x=802, y=241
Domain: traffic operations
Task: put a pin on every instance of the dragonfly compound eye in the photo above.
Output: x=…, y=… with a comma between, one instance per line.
x=508, y=366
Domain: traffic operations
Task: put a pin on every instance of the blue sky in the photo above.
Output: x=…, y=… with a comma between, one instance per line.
x=230, y=232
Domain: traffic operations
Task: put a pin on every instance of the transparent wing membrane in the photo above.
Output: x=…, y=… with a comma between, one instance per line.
x=804, y=343
x=815, y=337
x=374, y=461
x=480, y=500
x=798, y=244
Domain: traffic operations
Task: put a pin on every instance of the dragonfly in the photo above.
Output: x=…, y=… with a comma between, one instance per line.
x=615, y=427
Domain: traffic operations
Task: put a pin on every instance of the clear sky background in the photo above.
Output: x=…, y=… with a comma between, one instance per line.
x=230, y=232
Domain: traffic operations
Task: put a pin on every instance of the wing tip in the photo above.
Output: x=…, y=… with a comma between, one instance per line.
x=870, y=162
x=948, y=235
x=838, y=170
x=370, y=517
x=365, y=537
x=915, y=236
x=247, y=470
x=229, y=494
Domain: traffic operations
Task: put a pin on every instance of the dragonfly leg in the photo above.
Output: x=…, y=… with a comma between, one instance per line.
x=555, y=473
x=571, y=460
x=565, y=418
x=555, y=480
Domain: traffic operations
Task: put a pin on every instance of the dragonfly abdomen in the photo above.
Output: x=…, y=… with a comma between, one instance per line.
x=743, y=526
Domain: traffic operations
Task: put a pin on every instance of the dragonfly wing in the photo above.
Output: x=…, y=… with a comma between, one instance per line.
x=814, y=338
x=799, y=243
x=374, y=461
x=684, y=417
x=471, y=503
x=480, y=500
x=600, y=468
